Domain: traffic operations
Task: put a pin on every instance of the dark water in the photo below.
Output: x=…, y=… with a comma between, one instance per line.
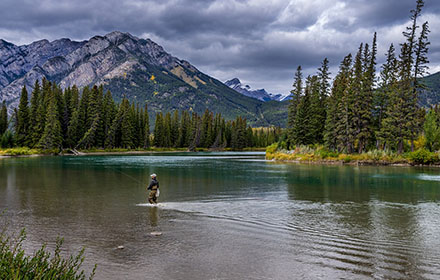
x=229, y=216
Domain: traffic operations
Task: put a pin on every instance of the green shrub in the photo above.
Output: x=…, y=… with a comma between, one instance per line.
x=42, y=265
x=282, y=145
x=272, y=148
x=423, y=156
x=324, y=153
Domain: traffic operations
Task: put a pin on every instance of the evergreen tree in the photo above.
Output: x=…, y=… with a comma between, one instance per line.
x=316, y=112
x=388, y=83
x=343, y=120
x=432, y=130
x=146, y=143
x=302, y=128
x=159, y=131
x=184, y=130
x=421, y=59
x=167, y=130
x=293, y=106
x=52, y=137
x=126, y=125
x=174, y=132
x=3, y=118
x=195, y=132
x=108, y=114
x=22, y=128
x=33, y=122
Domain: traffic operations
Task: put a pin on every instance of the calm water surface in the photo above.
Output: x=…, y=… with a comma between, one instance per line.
x=228, y=216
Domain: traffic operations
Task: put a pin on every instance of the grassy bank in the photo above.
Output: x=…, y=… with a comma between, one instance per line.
x=21, y=152
x=24, y=151
x=319, y=154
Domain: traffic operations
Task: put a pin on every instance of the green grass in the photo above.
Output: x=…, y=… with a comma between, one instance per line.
x=20, y=151
x=321, y=154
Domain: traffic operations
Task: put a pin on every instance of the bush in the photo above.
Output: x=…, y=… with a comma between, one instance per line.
x=324, y=153
x=423, y=156
x=272, y=148
x=15, y=265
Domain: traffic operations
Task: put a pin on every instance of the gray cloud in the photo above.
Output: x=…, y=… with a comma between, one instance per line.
x=261, y=42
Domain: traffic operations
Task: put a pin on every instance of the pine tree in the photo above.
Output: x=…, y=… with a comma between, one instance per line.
x=184, y=130
x=3, y=118
x=43, y=100
x=335, y=130
x=126, y=125
x=421, y=59
x=52, y=137
x=388, y=82
x=293, y=107
x=343, y=121
x=33, y=118
x=108, y=114
x=303, y=131
x=432, y=130
x=316, y=112
x=159, y=131
x=22, y=128
x=174, y=133
x=195, y=132
x=83, y=122
x=73, y=131
x=146, y=128
x=167, y=130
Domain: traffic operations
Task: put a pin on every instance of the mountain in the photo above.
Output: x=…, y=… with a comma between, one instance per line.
x=138, y=69
x=430, y=95
x=260, y=94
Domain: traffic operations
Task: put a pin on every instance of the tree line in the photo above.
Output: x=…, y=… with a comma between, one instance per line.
x=360, y=111
x=54, y=119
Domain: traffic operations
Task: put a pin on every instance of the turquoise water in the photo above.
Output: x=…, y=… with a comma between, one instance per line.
x=228, y=216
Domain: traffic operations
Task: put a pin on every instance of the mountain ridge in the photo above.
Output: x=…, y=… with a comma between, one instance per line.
x=260, y=94
x=138, y=69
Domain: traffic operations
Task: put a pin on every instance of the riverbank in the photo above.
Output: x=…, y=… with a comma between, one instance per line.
x=320, y=155
x=27, y=152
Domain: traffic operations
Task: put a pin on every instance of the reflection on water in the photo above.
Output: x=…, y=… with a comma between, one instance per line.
x=229, y=216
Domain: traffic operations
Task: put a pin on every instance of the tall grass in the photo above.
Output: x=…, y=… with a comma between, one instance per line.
x=15, y=265
x=317, y=153
x=18, y=151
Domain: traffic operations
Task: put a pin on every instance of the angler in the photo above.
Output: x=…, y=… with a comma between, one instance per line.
x=153, y=187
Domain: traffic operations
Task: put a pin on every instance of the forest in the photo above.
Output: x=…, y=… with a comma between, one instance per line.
x=56, y=119
x=359, y=111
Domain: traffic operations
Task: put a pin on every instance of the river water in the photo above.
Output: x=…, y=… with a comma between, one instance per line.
x=228, y=216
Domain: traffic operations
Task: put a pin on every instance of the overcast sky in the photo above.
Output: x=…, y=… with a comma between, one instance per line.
x=259, y=41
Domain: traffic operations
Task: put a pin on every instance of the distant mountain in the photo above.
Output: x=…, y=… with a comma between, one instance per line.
x=260, y=94
x=430, y=95
x=138, y=69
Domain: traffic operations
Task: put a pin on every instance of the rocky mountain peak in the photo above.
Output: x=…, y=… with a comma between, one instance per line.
x=233, y=82
x=260, y=94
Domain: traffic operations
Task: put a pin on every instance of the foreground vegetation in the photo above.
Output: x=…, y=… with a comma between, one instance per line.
x=14, y=264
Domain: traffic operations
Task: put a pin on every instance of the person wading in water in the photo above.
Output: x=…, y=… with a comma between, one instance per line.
x=154, y=189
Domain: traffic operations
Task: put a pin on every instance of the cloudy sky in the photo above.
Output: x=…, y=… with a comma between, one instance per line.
x=259, y=41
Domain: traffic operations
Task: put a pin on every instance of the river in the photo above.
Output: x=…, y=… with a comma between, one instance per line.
x=228, y=216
